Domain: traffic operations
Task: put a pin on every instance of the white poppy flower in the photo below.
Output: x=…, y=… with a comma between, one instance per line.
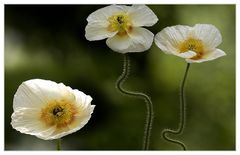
x=122, y=26
x=49, y=110
x=195, y=44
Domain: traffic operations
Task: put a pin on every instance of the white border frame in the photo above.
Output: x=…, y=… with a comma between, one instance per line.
x=3, y=2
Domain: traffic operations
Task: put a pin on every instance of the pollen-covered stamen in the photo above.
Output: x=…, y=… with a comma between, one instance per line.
x=59, y=113
x=120, y=23
x=120, y=19
x=194, y=45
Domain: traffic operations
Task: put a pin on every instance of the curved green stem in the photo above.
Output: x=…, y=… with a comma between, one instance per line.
x=181, y=126
x=149, y=105
x=59, y=146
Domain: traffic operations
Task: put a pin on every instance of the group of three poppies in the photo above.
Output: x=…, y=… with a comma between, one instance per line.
x=49, y=110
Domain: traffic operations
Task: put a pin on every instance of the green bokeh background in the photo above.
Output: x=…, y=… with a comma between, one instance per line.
x=48, y=42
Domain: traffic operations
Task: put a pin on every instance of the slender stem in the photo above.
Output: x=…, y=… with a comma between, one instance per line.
x=59, y=146
x=182, y=122
x=149, y=116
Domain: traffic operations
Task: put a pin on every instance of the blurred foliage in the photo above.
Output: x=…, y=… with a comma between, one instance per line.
x=48, y=42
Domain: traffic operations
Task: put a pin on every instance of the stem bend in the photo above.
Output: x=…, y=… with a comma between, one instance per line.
x=149, y=116
x=182, y=122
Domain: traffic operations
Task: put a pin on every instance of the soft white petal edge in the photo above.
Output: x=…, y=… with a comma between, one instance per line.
x=142, y=15
x=97, y=31
x=209, y=34
x=169, y=38
x=188, y=54
x=139, y=40
x=211, y=56
x=35, y=92
x=82, y=100
x=25, y=120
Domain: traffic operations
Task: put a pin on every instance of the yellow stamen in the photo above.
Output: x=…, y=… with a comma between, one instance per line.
x=59, y=113
x=191, y=44
x=121, y=23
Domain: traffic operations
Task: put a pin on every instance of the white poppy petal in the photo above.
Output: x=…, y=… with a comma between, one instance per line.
x=102, y=14
x=46, y=134
x=142, y=37
x=208, y=57
x=170, y=37
x=188, y=54
x=97, y=31
x=26, y=120
x=139, y=40
x=33, y=93
x=82, y=99
x=209, y=34
x=49, y=110
x=142, y=15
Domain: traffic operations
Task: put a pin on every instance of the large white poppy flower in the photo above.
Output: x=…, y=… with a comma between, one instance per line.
x=122, y=26
x=49, y=110
x=195, y=44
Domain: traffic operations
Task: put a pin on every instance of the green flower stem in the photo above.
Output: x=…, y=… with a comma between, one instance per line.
x=59, y=146
x=179, y=131
x=149, y=116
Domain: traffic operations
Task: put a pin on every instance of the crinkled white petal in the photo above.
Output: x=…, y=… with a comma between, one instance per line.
x=34, y=93
x=188, y=54
x=141, y=15
x=142, y=37
x=170, y=37
x=102, y=14
x=209, y=56
x=26, y=120
x=139, y=40
x=209, y=34
x=82, y=99
x=97, y=31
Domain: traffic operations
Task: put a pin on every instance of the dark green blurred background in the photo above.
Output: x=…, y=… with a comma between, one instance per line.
x=48, y=42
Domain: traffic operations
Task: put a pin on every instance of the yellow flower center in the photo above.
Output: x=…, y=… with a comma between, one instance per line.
x=191, y=44
x=120, y=23
x=59, y=113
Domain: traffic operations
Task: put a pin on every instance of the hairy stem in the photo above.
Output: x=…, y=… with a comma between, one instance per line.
x=59, y=146
x=181, y=126
x=149, y=116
